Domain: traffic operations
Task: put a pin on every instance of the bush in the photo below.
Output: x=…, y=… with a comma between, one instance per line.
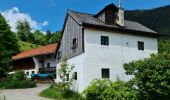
x=54, y=92
x=19, y=75
x=17, y=81
x=106, y=90
x=17, y=84
x=151, y=76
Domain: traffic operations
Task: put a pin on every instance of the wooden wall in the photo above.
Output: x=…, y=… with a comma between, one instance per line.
x=72, y=30
x=24, y=64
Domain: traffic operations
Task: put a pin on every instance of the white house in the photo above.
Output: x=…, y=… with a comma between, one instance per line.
x=32, y=61
x=99, y=44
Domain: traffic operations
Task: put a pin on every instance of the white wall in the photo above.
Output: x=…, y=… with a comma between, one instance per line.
x=78, y=62
x=122, y=48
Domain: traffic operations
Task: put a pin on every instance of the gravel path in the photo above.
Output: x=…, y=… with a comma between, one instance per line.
x=24, y=94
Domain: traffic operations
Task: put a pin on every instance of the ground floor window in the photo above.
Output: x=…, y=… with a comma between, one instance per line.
x=105, y=73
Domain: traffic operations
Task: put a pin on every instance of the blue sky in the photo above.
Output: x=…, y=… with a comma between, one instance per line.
x=49, y=14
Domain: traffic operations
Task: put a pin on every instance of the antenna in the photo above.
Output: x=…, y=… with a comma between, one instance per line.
x=120, y=3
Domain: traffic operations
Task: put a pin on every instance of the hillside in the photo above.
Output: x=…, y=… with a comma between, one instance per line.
x=157, y=19
x=26, y=46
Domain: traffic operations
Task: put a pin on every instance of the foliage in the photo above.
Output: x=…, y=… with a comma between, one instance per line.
x=156, y=19
x=64, y=71
x=151, y=76
x=56, y=37
x=8, y=46
x=17, y=80
x=23, y=46
x=24, y=31
x=19, y=75
x=164, y=45
x=39, y=37
x=15, y=84
x=107, y=90
x=54, y=92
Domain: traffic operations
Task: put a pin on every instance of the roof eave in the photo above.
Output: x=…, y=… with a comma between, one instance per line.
x=151, y=34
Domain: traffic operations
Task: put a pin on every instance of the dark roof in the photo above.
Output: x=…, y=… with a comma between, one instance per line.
x=84, y=18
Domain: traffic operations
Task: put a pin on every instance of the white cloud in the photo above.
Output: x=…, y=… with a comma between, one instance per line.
x=45, y=23
x=13, y=15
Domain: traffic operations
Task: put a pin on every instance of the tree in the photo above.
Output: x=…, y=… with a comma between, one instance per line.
x=24, y=31
x=39, y=37
x=151, y=76
x=8, y=46
x=64, y=73
x=48, y=36
x=56, y=37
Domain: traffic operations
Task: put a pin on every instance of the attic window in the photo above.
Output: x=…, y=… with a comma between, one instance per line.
x=74, y=43
x=59, y=54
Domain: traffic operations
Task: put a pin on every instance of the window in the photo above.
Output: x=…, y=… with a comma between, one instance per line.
x=104, y=40
x=27, y=73
x=59, y=54
x=48, y=65
x=67, y=76
x=33, y=72
x=140, y=45
x=74, y=43
x=75, y=75
x=105, y=73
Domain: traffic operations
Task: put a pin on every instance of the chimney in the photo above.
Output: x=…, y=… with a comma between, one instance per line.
x=120, y=16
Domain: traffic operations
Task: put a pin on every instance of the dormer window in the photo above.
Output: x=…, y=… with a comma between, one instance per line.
x=74, y=43
x=59, y=54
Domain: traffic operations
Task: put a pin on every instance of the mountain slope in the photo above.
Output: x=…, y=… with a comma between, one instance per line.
x=157, y=19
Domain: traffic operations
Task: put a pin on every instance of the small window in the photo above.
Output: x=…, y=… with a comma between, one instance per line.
x=75, y=75
x=59, y=54
x=74, y=43
x=33, y=72
x=27, y=73
x=140, y=45
x=105, y=73
x=67, y=76
x=48, y=65
x=104, y=40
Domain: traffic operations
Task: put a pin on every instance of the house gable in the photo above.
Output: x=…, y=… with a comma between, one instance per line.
x=72, y=31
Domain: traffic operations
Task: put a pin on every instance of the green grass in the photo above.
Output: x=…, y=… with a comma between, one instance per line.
x=53, y=93
x=26, y=46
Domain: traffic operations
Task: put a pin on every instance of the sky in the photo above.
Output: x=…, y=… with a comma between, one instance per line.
x=50, y=14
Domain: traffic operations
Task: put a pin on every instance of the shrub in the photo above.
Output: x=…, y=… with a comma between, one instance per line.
x=151, y=76
x=17, y=84
x=119, y=91
x=16, y=81
x=54, y=92
x=19, y=75
x=95, y=90
x=107, y=90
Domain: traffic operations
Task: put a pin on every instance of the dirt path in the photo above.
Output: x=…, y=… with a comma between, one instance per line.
x=25, y=94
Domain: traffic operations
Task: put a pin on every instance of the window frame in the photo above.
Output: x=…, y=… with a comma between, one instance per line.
x=141, y=45
x=104, y=75
x=104, y=40
x=74, y=43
